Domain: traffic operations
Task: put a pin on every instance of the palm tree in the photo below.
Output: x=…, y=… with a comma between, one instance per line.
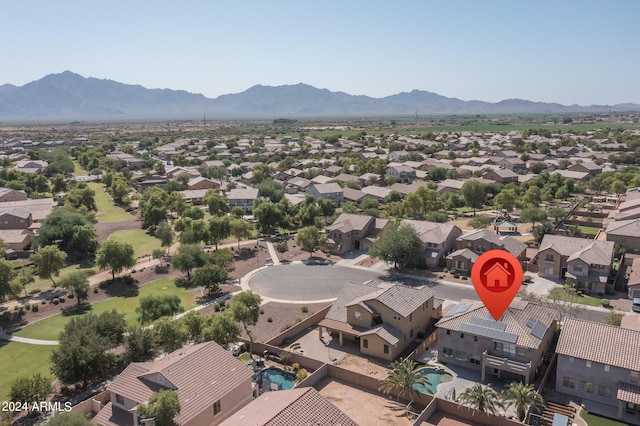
x=404, y=375
x=482, y=398
x=522, y=397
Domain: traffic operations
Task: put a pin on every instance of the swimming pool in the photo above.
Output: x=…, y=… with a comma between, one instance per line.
x=435, y=377
x=284, y=379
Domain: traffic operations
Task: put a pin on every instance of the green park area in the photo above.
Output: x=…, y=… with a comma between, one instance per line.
x=107, y=211
x=24, y=360
x=143, y=243
x=50, y=328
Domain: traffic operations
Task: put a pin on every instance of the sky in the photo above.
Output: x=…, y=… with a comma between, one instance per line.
x=566, y=51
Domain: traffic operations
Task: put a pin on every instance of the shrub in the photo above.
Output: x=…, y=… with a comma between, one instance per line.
x=35, y=308
x=70, y=296
x=605, y=302
x=16, y=307
x=133, y=271
x=445, y=270
x=301, y=375
x=43, y=301
x=261, y=311
x=298, y=320
x=282, y=246
x=55, y=301
x=27, y=306
x=305, y=309
x=527, y=278
x=464, y=277
x=269, y=319
x=295, y=366
x=95, y=290
x=216, y=307
x=34, y=291
x=455, y=275
x=62, y=299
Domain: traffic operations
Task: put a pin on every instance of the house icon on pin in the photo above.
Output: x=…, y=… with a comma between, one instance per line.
x=497, y=276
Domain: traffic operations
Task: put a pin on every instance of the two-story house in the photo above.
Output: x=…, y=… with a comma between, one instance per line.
x=402, y=173
x=512, y=348
x=600, y=364
x=15, y=219
x=503, y=176
x=437, y=240
x=210, y=382
x=201, y=182
x=8, y=194
x=382, y=318
x=470, y=245
x=584, y=263
x=513, y=163
x=353, y=232
x=328, y=191
x=242, y=197
x=625, y=233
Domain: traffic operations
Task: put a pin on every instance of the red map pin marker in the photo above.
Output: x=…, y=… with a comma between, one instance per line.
x=497, y=276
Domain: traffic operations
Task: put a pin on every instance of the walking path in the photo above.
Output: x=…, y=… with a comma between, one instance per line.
x=11, y=338
x=272, y=253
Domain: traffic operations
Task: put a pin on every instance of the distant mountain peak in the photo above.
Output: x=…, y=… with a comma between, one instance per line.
x=70, y=96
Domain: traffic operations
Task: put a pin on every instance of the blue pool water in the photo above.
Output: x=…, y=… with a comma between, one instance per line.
x=284, y=379
x=435, y=377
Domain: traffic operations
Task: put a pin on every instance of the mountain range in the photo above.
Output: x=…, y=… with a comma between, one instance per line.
x=69, y=96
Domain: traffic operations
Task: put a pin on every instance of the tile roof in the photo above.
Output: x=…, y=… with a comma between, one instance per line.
x=465, y=252
x=629, y=228
x=349, y=222
x=590, y=251
x=602, y=343
x=350, y=292
x=431, y=232
x=242, y=194
x=481, y=234
x=386, y=332
x=201, y=374
x=327, y=188
x=286, y=407
x=516, y=317
x=628, y=393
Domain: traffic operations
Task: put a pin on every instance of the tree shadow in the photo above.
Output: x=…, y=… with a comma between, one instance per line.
x=76, y=310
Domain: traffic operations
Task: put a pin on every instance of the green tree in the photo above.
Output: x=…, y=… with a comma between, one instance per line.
x=405, y=376
x=59, y=228
x=245, y=308
x=216, y=203
x=327, y=207
x=210, y=277
x=158, y=253
x=618, y=187
x=31, y=388
x=482, y=398
x=533, y=215
x=163, y=407
x=222, y=328
x=141, y=344
x=398, y=244
x=84, y=239
x=76, y=283
x=22, y=279
x=48, y=261
x=79, y=197
x=474, y=194
x=240, y=229
x=222, y=257
x=310, y=239
x=153, y=207
x=171, y=335
x=69, y=419
x=271, y=189
x=522, y=397
x=269, y=215
x=116, y=256
x=154, y=307
x=84, y=353
x=219, y=229
x=349, y=207
x=479, y=222
x=540, y=230
x=556, y=213
x=505, y=200
x=188, y=257
x=194, y=324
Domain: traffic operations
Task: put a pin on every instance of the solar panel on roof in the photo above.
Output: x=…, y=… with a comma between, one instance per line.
x=491, y=333
x=459, y=308
x=489, y=323
x=532, y=321
x=539, y=330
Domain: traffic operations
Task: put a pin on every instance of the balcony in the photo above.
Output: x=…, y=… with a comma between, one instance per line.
x=507, y=365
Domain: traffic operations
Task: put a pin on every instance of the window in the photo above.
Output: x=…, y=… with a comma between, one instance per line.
x=410, y=317
x=548, y=258
x=448, y=352
x=607, y=368
x=411, y=333
x=365, y=343
x=119, y=399
x=216, y=407
x=548, y=271
x=475, y=338
x=521, y=352
x=635, y=376
x=448, y=332
x=474, y=361
x=459, y=266
x=462, y=335
x=571, y=360
x=585, y=386
x=569, y=382
x=358, y=315
x=385, y=349
x=461, y=356
x=604, y=391
x=577, y=268
x=588, y=364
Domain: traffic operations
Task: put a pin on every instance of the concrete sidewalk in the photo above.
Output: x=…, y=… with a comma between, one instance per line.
x=28, y=340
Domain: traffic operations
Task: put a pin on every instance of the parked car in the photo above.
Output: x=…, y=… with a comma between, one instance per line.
x=636, y=304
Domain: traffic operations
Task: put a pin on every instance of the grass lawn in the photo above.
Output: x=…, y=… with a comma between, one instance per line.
x=142, y=242
x=50, y=328
x=78, y=170
x=583, y=300
x=591, y=230
x=20, y=359
x=107, y=211
x=593, y=420
x=43, y=285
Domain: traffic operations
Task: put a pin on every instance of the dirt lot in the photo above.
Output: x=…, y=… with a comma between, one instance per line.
x=103, y=230
x=365, y=365
x=245, y=259
x=296, y=253
x=363, y=406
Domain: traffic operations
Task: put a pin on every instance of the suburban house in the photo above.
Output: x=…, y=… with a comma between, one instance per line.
x=30, y=166
x=201, y=183
x=402, y=173
x=512, y=348
x=15, y=220
x=633, y=283
x=503, y=176
x=382, y=318
x=461, y=260
x=600, y=364
x=353, y=232
x=584, y=263
x=586, y=167
x=302, y=406
x=328, y=191
x=211, y=385
x=242, y=197
x=625, y=233
x=195, y=196
x=16, y=239
x=470, y=245
x=437, y=240
x=8, y=194
x=513, y=163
